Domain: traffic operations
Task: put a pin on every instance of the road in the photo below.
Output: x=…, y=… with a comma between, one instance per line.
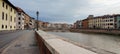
x=9, y=37
x=25, y=44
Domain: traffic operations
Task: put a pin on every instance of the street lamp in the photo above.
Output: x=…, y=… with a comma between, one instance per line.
x=37, y=13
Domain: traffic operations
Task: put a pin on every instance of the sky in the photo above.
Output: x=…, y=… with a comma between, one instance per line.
x=67, y=11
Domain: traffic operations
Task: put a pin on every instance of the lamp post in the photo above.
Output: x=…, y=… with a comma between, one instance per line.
x=37, y=13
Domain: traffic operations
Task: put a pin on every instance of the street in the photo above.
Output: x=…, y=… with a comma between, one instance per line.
x=8, y=37
x=25, y=44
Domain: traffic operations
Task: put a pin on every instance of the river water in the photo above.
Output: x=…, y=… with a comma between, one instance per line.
x=107, y=42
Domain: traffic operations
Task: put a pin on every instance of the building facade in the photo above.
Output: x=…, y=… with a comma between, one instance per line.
x=108, y=22
x=118, y=21
x=45, y=24
x=78, y=24
x=32, y=23
x=20, y=19
x=105, y=22
x=40, y=24
x=95, y=22
x=7, y=16
x=85, y=24
x=27, y=21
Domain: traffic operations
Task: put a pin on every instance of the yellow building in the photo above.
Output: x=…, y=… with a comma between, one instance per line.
x=103, y=22
x=7, y=16
x=95, y=22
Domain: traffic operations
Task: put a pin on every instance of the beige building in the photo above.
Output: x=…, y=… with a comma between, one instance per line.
x=109, y=22
x=102, y=22
x=7, y=16
x=95, y=22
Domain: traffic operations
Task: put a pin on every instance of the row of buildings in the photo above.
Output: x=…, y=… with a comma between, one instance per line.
x=47, y=25
x=14, y=18
x=60, y=26
x=99, y=22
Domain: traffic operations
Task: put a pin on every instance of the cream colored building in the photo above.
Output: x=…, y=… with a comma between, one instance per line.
x=7, y=16
x=109, y=22
x=102, y=22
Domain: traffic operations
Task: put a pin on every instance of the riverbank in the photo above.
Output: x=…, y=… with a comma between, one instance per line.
x=97, y=31
x=100, y=43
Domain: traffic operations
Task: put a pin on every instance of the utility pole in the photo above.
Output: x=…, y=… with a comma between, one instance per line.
x=37, y=13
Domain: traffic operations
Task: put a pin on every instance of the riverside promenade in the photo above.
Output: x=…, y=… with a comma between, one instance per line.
x=27, y=44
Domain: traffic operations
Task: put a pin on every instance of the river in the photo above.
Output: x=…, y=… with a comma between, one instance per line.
x=106, y=42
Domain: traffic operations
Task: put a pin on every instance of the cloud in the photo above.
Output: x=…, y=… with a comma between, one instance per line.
x=105, y=2
x=67, y=10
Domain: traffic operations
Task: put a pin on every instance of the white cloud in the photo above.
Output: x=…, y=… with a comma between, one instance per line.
x=105, y=2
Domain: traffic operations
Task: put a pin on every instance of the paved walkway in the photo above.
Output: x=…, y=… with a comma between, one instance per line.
x=26, y=44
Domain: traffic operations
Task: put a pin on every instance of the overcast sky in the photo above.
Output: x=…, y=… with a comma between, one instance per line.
x=68, y=11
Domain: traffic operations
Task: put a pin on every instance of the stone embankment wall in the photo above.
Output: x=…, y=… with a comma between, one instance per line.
x=97, y=31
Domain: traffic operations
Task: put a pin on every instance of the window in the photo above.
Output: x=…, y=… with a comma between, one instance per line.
x=10, y=26
x=119, y=21
x=14, y=19
x=2, y=26
x=106, y=20
x=19, y=13
x=6, y=16
x=19, y=18
x=11, y=18
x=3, y=4
x=19, y=23
x=111, y=20
x=19, y=26
x=6, y=26
x=23, y=19
x=111, y=23
x=11, y=9
x=6, y=7
x=14, y=12
x=2, y=15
